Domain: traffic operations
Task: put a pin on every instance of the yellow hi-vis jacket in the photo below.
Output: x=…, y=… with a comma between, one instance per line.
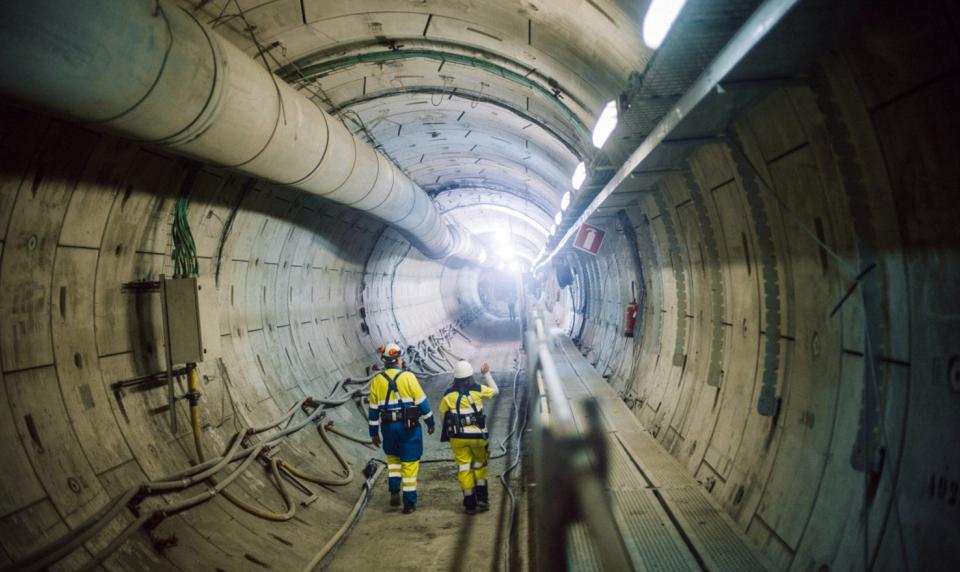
x=408, y=393
x=471, y=402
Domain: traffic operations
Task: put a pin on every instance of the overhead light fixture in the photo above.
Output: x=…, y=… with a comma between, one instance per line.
x=658, y=21
x=605, y=124
x=579, y=176
x=558, y=217
x=553, y=229
x=565, y=201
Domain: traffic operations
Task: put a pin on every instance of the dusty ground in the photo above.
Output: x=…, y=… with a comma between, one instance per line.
x=440, y=536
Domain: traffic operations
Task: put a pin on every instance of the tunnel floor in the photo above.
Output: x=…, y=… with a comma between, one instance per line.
x=668, y=520
x=439, y=535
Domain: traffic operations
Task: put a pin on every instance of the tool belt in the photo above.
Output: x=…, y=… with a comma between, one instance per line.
x=454, y=423
x=410, y=416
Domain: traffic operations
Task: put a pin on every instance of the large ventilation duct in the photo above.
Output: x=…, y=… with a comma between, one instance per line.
x=150, y=71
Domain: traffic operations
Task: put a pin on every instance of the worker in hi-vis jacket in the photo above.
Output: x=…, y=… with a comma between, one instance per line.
x=397, y=405
x=465, y=427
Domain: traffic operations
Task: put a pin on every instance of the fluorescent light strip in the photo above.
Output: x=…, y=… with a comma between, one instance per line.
x=757, y=26
x=659, y=19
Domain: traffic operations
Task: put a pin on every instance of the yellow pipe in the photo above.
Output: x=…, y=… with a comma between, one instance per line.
x=193, y=387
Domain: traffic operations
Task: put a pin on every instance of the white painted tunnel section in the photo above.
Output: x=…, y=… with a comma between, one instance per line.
x=321, y=209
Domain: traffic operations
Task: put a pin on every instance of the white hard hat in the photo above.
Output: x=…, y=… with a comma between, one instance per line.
x=462, y=370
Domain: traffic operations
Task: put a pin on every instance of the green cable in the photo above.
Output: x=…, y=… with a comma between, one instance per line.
x=184, y=248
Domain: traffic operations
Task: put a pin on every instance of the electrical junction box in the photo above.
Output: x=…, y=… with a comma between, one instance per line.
x=192, y=321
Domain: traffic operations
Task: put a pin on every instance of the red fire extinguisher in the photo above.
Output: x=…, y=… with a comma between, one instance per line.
x=630, y=320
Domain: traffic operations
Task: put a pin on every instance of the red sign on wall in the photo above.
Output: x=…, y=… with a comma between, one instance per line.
x=589, y=238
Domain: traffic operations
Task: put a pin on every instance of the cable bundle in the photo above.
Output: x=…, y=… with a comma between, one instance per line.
x=184, y=249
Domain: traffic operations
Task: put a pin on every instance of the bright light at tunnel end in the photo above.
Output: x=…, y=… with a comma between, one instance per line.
x=605, y=124
x=658, y=21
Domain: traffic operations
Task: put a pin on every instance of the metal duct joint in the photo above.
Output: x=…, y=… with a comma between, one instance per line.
x=466, y=247
x=150, y=71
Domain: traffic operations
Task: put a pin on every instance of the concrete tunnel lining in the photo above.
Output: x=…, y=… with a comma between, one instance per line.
x=738, y=301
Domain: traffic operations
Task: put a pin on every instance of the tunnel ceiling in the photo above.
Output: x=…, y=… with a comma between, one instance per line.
x=498, y=95
x=495, y=95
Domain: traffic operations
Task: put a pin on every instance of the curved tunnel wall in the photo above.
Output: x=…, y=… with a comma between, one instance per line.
x=796, y=274
x=83, y=213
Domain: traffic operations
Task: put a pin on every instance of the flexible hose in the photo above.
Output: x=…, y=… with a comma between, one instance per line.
x=338, y=482
x=451, y=354
x=440, y=368
x=233, y=499
x=335, y=431
x=43, y=558
x=214, y=490
x=242, y=453
x=348, y=524
x=262, y=513
x=286, y=417
x=431, y=353
x=161, y=486
x=255, y=510
x=63, y=546
x=168, y=510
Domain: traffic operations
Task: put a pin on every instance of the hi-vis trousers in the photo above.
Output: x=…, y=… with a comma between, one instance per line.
x=471, y=456
x=403, y=476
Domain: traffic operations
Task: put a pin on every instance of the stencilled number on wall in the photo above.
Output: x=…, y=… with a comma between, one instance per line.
x=944, y=489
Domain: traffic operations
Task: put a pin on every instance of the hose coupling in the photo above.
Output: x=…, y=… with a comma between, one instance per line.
x=370, y=469
x=320, y=418
x=193, y=396
x=265, y=454
x=134, y=503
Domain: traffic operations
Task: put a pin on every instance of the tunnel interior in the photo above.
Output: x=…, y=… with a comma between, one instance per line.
x=786, y=248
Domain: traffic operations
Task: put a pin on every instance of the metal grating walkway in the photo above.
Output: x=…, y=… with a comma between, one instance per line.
x=669, y=521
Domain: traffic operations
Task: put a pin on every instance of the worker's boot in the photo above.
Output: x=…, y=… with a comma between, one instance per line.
x=470, y=503
x=483, y=500
x=394, y=498
x=409, y=508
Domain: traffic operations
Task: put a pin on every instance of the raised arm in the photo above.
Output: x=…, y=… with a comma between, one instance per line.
x=485, y=370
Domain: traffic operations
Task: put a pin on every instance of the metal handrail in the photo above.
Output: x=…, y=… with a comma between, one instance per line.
x=570, y=466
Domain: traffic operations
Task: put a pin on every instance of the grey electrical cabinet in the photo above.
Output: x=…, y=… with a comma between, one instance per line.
x=192, y=322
